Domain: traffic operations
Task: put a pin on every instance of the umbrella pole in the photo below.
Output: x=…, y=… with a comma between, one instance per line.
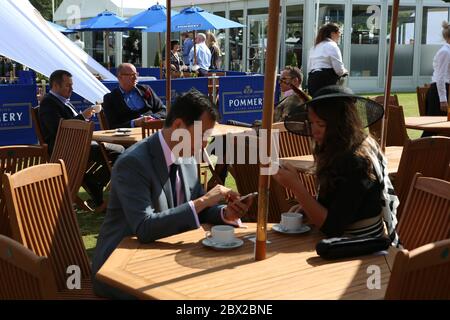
x=387, y=90
x=195, y=51
x=269, y=89
x=160, y=57
x=168, y=73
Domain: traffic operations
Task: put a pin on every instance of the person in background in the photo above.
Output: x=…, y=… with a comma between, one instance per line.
x=355, y=194
x=290, y=79
x=216, y=54
x=202, y=61
x=156, y=192
x=131, y=104
x=325, y=65
x=188, y=43
x=78, y=42
x=436, y=103
x=176, y=62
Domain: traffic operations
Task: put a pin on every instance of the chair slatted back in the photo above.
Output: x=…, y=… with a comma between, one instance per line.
x=37, y=125
x=246, y=173
x=150, y=127
x=396, y=131
x=104, y=125
x=426, y=215
x=292, y=145
x=429, y=156
x=72, y=144
x=23, y=274
x=42, y=218
x=421, y=98
x=13, y=159
x=421, y=274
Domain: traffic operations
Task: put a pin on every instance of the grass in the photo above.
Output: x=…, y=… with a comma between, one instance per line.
x=90, y=222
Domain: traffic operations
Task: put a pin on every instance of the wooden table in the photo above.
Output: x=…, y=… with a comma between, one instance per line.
x=180, y=267
x=305, y=163
x=434, y=124
x=136, y=134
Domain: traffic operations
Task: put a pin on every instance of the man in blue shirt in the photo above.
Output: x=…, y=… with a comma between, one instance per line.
x=130, y=104
x=188, y=43
x=203, y=56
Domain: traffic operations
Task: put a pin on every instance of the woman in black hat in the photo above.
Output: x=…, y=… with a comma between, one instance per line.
x=355, y=194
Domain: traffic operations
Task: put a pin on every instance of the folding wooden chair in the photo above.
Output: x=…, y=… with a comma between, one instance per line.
x=421, y=274
x=393, y=100
x=37, y=125
x=73, y=145
x=429, y=156
x=150, y=127
x=396, y=128
x=13, y=159
x=426, y=215
x=43, y=220
x=246, y=173
x=421, y=98
x=103, y=120
x=292, y=145
x=23, y=274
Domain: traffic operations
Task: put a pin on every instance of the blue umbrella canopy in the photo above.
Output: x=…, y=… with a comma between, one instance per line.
x=60, y=28
x=105, y=21
x=153, y=15
x=195, y=18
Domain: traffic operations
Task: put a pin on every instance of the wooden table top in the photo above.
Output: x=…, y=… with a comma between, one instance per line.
x=305, y=163
x=180, y=267
x=136, y=134
x=435, y=124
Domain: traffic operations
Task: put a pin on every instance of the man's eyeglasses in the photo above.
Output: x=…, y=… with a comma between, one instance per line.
x=130, y=74
x=285, y=80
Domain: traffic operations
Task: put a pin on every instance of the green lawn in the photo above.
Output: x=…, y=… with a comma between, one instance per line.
x=90, y=222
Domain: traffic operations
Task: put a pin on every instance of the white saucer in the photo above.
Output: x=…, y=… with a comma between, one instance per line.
x=222, y=246
x=125, y=130
x=279, y=228
x=121, y=134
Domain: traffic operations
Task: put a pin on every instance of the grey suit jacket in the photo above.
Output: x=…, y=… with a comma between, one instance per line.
x=141, y=203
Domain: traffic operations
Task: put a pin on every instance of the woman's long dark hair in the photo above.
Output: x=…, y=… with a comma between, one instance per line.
x=325, y=32
x=344, y=136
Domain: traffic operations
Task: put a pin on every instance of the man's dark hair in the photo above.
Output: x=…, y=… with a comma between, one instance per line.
x=57, y=77
x=189, y=107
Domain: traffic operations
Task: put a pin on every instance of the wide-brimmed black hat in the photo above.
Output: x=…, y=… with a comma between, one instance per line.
x=297, y=120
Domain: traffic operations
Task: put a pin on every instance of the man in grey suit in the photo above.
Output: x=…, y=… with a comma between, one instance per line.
x=153, y=196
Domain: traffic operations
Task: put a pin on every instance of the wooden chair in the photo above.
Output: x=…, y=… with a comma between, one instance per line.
x=396, y=130
x=292, y=145
x=37, y=125
x=426, y=216
x=421, y=274
x=150, y=127
x=73, y=144
x=421, y=98
x=13, y=159
x=23, y=274
x=42, y=219
x=104, y=125
x=429, y=156
x=393, y=100
x=247, y=178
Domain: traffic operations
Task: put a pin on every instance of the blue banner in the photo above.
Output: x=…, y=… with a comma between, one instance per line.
x=16, y=125
x=241, y=98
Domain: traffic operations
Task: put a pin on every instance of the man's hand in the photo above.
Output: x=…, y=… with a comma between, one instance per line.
x=139, y=121
x=88, y=113
x=215, y=196
x=236, y=209
x=444, y=106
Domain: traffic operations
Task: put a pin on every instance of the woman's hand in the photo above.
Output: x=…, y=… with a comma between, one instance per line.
x=287, y=176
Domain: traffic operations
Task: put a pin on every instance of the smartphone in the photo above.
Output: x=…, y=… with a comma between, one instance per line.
x=252, y=194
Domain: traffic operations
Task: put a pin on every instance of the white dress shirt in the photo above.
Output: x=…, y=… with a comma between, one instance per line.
x=326, y=55
x=441, y=73
x=203, y=56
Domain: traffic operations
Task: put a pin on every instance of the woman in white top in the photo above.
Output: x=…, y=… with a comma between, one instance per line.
x=325, y=65
x=436, y=101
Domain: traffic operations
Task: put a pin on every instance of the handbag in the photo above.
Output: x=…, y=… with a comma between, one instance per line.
x=337, y=248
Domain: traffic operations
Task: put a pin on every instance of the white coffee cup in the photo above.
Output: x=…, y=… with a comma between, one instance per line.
x=291, y=221
x=97, y=108
x=221, y=234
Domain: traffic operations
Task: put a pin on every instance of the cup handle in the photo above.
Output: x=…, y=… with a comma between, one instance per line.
x=208, y=235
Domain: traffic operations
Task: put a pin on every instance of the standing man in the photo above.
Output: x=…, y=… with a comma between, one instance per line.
x=203, y=54
x=156, y=191
x=78, y=42
x=188, y=43
x=130, y=104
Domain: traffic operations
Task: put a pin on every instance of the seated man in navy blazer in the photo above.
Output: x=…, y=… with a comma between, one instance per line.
x=156, y=191
x=128, y=105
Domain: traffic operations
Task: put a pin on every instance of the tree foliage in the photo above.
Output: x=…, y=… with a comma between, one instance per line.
x=45, y=7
